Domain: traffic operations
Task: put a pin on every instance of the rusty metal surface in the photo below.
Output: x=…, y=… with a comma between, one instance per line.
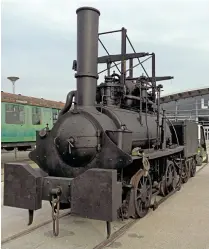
x=96, y=194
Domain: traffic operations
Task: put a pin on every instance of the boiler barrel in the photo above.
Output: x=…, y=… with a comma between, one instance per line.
x=87, y=54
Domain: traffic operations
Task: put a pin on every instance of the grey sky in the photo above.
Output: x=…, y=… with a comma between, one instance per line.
x=39, y=41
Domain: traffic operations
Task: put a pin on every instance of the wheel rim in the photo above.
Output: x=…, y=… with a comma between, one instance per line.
x=143, y=194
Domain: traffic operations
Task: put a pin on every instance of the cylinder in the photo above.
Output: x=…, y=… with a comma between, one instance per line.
x=87, y=54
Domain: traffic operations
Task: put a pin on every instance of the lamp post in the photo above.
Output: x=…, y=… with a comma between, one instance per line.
x=13, y=79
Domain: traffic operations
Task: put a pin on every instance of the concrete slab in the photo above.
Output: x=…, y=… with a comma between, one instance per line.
x=181, y=222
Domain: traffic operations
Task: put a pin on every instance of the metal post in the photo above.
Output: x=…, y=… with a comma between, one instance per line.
x=176, y=112
x=123, y=53
x=108, y=68
x=153, y=78
x=196, y=110
x=131, y=68
x=15, y=149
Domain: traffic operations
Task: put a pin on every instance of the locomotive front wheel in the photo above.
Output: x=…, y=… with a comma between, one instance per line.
x=193, y=168
x=143, y=194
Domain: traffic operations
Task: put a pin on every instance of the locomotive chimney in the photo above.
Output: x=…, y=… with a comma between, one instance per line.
x=87, y=54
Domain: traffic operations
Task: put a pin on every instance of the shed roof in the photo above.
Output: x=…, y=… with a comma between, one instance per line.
x=184, y=95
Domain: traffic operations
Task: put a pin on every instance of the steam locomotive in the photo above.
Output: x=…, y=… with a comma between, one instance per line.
x=107, y=156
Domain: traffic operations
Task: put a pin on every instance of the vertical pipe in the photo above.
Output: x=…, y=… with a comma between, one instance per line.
x=108, y=68
x=87, y=54
x=196, y=110
x=123, y=53
x=131, y=68
x=163, y=131
x=176, y=112
x=158, y=116
x=153, y=78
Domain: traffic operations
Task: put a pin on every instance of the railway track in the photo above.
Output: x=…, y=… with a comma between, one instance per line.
x=107, y=242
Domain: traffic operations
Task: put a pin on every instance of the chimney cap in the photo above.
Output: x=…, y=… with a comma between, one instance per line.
x=87, y=8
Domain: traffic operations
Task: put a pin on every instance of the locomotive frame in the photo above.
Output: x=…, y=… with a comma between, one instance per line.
x=123, y=175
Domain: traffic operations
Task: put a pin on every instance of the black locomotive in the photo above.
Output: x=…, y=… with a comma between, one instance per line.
x=112, y=149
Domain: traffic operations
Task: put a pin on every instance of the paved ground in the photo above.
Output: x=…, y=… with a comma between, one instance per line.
x=10, y=156
x=182, y=222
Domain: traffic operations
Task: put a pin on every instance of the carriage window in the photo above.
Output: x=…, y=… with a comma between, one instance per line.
x=15, y=114
x=36, y=115
x=55, y=113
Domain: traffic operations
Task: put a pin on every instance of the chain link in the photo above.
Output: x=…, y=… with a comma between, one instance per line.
x=55, y=214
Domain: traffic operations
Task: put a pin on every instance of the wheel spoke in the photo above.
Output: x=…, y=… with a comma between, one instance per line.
x=169, y=179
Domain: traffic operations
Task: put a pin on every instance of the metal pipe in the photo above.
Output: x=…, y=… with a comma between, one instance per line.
x=123, y=53
x=110, y=32
x=87, y=54
x=131, y=68
x=153, y=78
x=68, y=103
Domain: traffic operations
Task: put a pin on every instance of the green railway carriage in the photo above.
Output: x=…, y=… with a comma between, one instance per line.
x=22, y=116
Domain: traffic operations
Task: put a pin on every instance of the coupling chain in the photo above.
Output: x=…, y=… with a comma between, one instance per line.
x=55, y=201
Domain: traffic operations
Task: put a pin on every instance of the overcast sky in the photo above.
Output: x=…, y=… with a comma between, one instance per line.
x=39, y=41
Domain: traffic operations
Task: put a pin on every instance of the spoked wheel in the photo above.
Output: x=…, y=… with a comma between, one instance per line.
x=171, y=176
x=143, y=193
x=169, y=181
x=193, y=168
x=185, y=172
